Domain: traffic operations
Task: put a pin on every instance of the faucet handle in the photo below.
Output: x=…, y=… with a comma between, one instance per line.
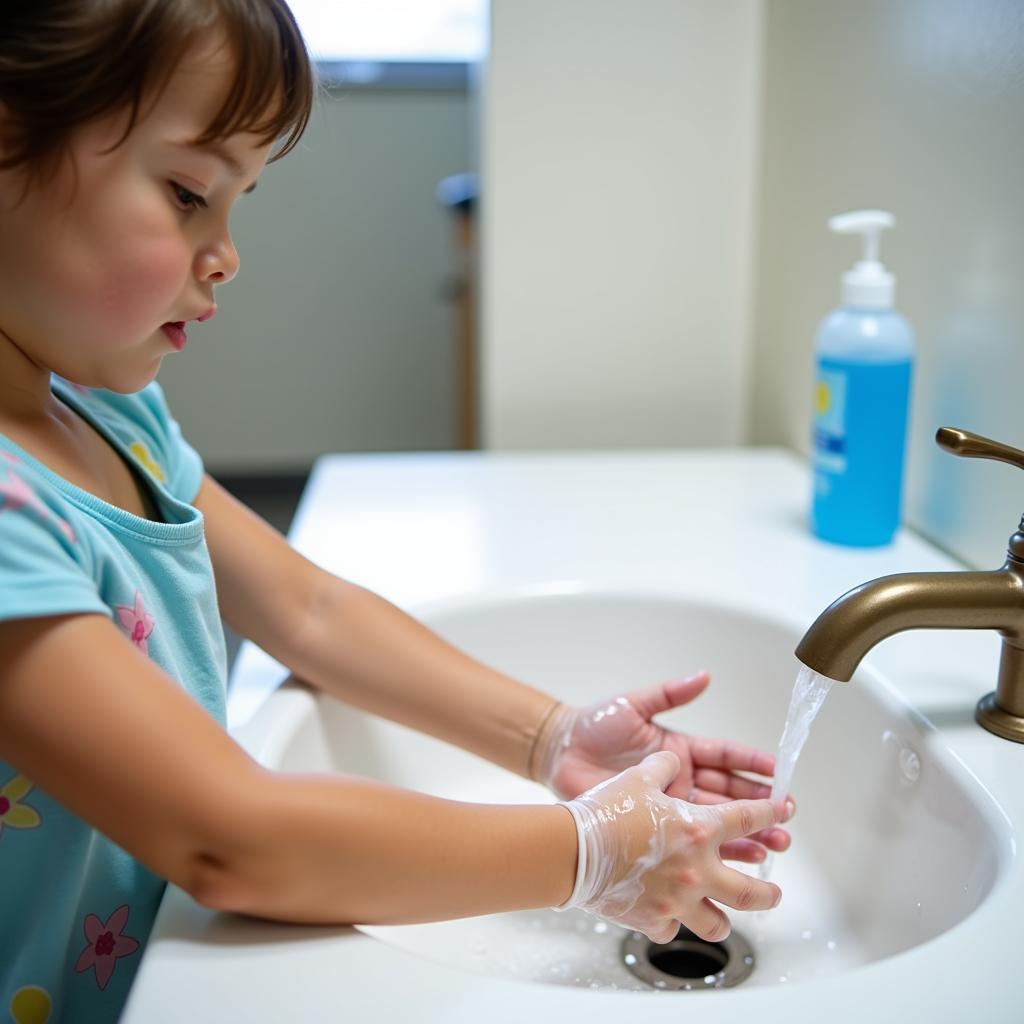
x=974, y=446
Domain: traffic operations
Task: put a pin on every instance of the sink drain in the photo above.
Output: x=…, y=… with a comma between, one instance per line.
x=689, y=962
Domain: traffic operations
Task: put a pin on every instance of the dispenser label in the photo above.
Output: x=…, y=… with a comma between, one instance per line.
x=830, y=421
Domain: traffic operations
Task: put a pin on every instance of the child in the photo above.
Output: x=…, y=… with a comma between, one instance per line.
x=128, y=129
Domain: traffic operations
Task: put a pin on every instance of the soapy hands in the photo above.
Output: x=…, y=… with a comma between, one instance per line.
x=581, y=747
x=649, y=861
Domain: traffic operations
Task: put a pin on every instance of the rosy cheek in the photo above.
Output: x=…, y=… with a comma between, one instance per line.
x=145, y=279
x=132, y=285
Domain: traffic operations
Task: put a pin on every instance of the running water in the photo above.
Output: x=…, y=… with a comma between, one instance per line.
x=809, y=693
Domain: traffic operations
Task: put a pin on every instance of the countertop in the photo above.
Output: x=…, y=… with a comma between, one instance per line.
x=725, y=525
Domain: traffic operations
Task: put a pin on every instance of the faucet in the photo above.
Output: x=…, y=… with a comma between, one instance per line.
x=845, y=631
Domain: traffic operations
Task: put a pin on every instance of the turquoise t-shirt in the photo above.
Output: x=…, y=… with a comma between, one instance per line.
x=76, y=909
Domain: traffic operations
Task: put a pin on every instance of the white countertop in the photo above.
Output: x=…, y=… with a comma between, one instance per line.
x=725, y=525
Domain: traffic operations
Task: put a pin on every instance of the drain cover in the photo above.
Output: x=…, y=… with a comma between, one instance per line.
x=689, y=962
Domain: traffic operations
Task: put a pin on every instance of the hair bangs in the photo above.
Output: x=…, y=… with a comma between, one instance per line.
x=273, y=89
x=65, y=63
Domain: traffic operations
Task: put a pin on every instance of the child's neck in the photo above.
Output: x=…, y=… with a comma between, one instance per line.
x=25, y=394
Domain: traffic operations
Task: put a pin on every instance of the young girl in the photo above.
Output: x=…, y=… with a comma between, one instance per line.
x=128, y=130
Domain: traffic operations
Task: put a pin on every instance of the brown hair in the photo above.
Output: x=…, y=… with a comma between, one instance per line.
x=64, y=63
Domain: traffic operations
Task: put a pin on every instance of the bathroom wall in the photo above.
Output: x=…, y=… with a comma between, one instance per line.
x=915, y=106
x=655, y=256
x=619, y=167
x=336, y=335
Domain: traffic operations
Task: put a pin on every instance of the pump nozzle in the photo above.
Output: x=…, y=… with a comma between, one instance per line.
x=868, y=284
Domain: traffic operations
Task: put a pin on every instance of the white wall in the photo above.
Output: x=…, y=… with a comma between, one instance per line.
x=636, y=294
x=916, y=106
x=619, y=165
x=640, y=160
x=335, y=336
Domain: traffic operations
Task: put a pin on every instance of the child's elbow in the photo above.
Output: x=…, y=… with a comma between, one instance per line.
x=213, y=883
x=221, y=863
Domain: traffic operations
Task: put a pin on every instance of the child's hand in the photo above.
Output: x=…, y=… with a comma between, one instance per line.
x=580, y=747
x=650, y=862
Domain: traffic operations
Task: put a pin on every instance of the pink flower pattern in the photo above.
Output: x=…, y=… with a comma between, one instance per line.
x=106, y=944
x=137, y=621
x=17, y=495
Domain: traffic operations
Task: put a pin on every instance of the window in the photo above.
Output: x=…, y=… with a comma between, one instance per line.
x=401, y=43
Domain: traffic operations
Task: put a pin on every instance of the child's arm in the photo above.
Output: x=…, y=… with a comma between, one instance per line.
x=106, y=732
x=359, y=647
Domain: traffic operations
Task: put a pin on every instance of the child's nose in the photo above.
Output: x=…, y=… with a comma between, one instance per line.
x=217, y=263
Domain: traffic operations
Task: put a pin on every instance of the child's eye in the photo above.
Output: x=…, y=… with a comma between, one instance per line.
x=187, y=199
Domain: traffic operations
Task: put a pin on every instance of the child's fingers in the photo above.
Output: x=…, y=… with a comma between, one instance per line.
x=664, y=931
x=735, y=787
x=660, y=768
x=743, y=817
x=708, y=752
x=752, y=849
x=746, y=851
x=652, y=700
x=708, y=922
x=682, y=691
x=777, y=839
x=743, y=892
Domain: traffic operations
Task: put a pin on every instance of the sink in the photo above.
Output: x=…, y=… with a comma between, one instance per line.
x=895, y=842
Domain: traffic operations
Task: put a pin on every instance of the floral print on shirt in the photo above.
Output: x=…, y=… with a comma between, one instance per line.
x=137, y=621
x=13, y=813
x=106, y=944
x=17, y=494
x=31, y=1004
x=142, y=453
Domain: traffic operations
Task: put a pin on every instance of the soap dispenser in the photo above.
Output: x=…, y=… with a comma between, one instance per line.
x=864, y=354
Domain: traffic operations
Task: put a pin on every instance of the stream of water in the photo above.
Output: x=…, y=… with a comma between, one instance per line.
x=809, y=693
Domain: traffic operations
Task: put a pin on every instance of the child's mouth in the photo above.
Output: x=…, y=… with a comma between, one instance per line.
x=175, y=333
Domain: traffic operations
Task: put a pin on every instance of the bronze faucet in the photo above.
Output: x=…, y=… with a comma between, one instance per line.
x=843, y=633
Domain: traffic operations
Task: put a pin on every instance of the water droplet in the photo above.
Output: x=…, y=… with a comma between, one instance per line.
x=630, y=959
x=783, y=978
x=830, y=945
x=710, y=979
x=660, y=984
x=806, y=934
x=601, y=927
x=748, y=960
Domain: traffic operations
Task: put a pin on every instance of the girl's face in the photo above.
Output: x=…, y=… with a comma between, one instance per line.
x=101, y=271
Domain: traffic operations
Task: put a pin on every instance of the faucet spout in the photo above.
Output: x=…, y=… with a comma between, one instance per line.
x=845, y=631
x=851, y=626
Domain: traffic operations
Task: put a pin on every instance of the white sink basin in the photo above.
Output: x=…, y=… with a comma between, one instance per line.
x=895, y=841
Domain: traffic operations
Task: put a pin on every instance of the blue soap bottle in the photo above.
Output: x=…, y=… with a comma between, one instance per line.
x=864, y=356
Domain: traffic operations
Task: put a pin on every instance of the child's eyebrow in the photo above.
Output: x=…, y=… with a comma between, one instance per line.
x=235, y=169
